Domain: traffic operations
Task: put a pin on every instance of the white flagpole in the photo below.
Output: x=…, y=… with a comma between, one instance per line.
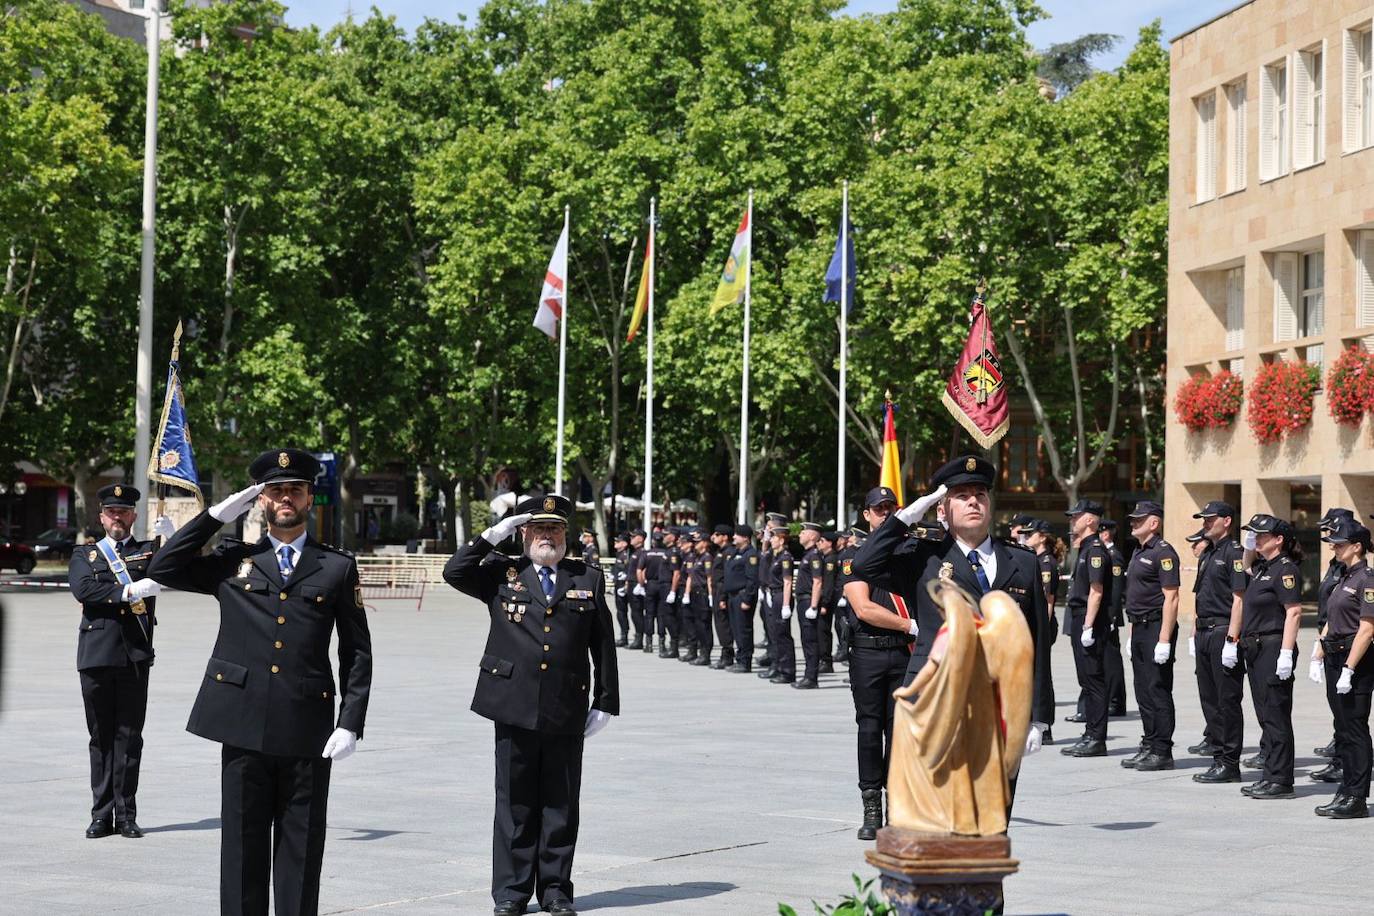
x=563, y=359
x=649, y=396
x=842, y=510
x=742, y=510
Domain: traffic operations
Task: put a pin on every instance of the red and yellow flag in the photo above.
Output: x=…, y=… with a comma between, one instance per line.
x=891, y=475
x=642, y=297
x=976, y=393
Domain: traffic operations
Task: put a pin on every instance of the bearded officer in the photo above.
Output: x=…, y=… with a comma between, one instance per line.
x=269, y=691
x=550, y=650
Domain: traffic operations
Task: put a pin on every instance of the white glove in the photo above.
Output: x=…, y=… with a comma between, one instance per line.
x=843, y=602
x=1192, y=647
x=596, y=721
x=639, y=590
x=1086, y=638
x=1315, y=673
x=341, y=744
x=1284, y=667
x=140, y=589
x=620, y=577
x=917, y=510
x=1317, y=652
x=163, y=527
x=767, y=598
x=1230, y=655
x=786, y=612
x=911, y=627
x=672, y=598
x=504, y=528
x=236, y=505
x=1034, y=738
x=1247, y=540
x=811, y=613
x=1161, y=653
x=620, y=592
x=1343, y=686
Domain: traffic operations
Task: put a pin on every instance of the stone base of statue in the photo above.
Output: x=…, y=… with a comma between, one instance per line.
x=935, y=874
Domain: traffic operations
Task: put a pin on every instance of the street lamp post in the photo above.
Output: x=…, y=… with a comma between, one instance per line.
x=144, y=382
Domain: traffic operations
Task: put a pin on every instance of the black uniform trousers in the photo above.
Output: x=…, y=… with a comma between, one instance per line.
x=1114, y=670
x=699, y=612
x=273, y=820
x=668, y=614
x=809, y=631
x=873, y=675
x=680, y=625
x=538, y=787
x=725, y=632
x=622, y=612
x=1154, y=685
x=653, y=600
x=116, y=701
x=825, y=637
x=1221, y=691
x=784, y=649
x=1092, y=676
x=1273, y=701
x=1353, y=746
x=742, y=624
x=636, y=603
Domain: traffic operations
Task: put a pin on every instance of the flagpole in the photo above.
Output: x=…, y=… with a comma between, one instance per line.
x=742, y=509
x=841, y=510
x=562, y=362
x=649, y=396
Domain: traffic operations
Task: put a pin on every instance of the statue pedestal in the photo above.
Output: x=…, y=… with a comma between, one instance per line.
x=936, y=874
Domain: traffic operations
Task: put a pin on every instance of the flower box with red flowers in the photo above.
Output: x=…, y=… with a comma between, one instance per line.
x=1281, y=399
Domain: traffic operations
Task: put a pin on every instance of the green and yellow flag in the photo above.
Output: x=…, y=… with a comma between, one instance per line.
x=735, y=277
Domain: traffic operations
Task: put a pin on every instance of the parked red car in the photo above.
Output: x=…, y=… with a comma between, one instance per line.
x=17, y=556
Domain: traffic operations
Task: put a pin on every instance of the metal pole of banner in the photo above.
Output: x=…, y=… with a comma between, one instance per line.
x=742, y=509
x=563, y=359
x=842, y=510
x=649, y=393
x=143, y=381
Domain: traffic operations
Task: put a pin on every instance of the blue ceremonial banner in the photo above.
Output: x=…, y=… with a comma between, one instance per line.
x=172, y=460
x=835, y=271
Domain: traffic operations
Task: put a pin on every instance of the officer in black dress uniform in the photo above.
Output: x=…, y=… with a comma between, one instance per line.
x=1219, y=590
x=1271, y=613
x=1349, y=667
x=1152, y=583
x=1334, y=568
x=114, y=652
x=550, y=651
x=1088, y=619
x=827, y=629
x=741, y=588
x=807, y=592
x=696, y=597
x=635, y=592
x=1113, y=665
x=777, y=597
x=721, y=551
x=651, y=564
x=621, y=578
x=670, y=607
x=591, y=555
x=268, y=693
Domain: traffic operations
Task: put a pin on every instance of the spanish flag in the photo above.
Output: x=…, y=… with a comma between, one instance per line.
x=734, y=279
x=891, y=476
x=642, y=298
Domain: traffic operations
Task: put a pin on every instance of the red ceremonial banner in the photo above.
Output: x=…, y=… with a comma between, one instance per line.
x=977, y=391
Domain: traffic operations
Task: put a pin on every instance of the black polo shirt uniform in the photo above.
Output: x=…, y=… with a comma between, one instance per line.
x=1220, y=576
x=550, y=652
x=1274, y=584
x=810, y=569
x=827, y=629
x=720, y=606
x=1351, y=600
x=620, y=577
x=652, y=562
x=636, y=602
x=784, y=648
x=1048, y=565
x=697, y=571
x=1113, y=666
x=741, y=586
x=1334, y=570
x=1092, y=567
x=670, y=612
x=1154, y=568
x=114, y=652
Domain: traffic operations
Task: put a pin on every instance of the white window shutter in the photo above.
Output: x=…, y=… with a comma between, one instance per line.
x=1237, y=139
x=1235, y=310
x=1302, y=109
x=1350, y=92
x=1207, y=147
x=1364, y=280
x=1285, y=296
x=1267, y=126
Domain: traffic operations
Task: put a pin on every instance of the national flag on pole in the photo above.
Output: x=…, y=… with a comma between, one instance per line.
x=172, y=461
x=834, y=274
x=977, y=390
x=551, y=299
x=891, y=475
x=733, y=278
x=642, y=297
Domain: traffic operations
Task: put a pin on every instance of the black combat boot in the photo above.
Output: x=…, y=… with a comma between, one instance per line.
x=873, y=814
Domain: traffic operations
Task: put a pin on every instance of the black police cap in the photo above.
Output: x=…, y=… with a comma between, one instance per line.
x=964, y=470
x=1346, y=530
x=284, y=465
x=1022, y=520
x=1086, y=507
x=1146, y=507
x=1268, y=524
x=638, y=533
x=830, y=536
x=1335, y=512
x=722, y=529
x=1199, y=534
x=1038, y=525
x=696, y=534
x=858, y=533
x=118, y=496
x=744, y=531
x=547, y=508
x=1107, y=524
x=623, y=536
x=879, y=495
x=1216, y=507
x=810, y=526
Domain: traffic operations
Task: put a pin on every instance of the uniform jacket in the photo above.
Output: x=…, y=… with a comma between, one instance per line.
x=544, y=658
x=110, y=634
x=742, y=572
x=269, y=685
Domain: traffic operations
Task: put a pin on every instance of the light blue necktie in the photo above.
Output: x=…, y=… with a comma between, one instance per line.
x=983, y=582
x=286, y=565
x=546, y=575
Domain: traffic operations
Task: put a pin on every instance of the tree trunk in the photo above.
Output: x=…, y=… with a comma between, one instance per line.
x=22, y=327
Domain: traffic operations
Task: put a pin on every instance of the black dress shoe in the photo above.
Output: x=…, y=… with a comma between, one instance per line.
x=765, y=660
x=1274, y=790
x=1218, y=773
x=1328, y=752
x=1329, y=773
x=1074, y=717
x=703, y=661
x=1131, y=761
x=1350, y=808
x=768, y=674
x=1203, y=749
x=1253, y=763
x=827, y=668
x=1325, y=810
x=621, y=643
x=1088, y=748
x=1046, y=737
x=1116, y=712
x=100, y=828
x=129, y=829
x=508, y=908
x=637, y=644
x=739, y=668
x=1152, y=762
x=561, y=908
x=805, y=684
x=782, y=679
x=1253, y=787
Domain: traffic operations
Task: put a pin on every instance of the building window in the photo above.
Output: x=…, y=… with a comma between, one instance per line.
x=1364, y=278
x=1022, y=461
x=1359, y=88
x=1235, y=137
x=1275, y=126
x=1235, y=309
x=1309, y=145
x=1312, y=304
x=1206, y=146
x=1285, y=296
x=1237, y=366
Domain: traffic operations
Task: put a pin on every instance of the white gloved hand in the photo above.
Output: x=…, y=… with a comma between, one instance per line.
x=1034, y=738
x=620, y=577
x=1344, y=685
x=1086, y=638
x=767, y=599
x=140, y=589
x=1247, y=540
x=1161, y=653
x=811, y=613
x=1284, y=667
x=341, y=744
x=639, y=590
x=843, y=602
x=236, y=504
x=671, y=598
x=1230, y=655
x=620, y=592
x=912, y=628
x=786, y=612
x=1192, y=647
x=1315, y=674
x=596, y=721
x=1317, y=652
x=163, y=527
x=504, y=528
x=917, y=510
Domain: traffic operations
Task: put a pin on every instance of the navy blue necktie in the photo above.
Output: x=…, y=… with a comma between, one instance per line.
x=284, y=562
x=546, y=576
x=983, y=582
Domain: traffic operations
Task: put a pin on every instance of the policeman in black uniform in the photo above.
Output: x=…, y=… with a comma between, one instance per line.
x=269, y=690
x=741, y=583
x=1271, y=613
x=550, y=651
x=651, y=580
x=1219, y=590
x=591, y=555
x=1152, y=583
x=721, y=550
x=114, y=651
x=1088, y=616
x=810, y=575
x=771, y=520
x=778, y=605
x=1334, y=569
x=1113, y=665
x=635, y=591
x=826, y=626
x=622, y=589
x=670, y=605
x=696, y=597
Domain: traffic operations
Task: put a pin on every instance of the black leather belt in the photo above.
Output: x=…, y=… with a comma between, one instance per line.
x=1335, y=644
x=1145, y=616
x=1212, y=624
x=862, y=641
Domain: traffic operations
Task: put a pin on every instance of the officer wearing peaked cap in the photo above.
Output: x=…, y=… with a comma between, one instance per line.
x=550, y=654
x=1334, y=569
x=721, y=551
x=268, y=695
x=741, y=582
x=1220, y=590
x=1152, y=583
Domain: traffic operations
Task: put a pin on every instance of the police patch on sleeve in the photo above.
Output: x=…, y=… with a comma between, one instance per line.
x=1239, y=566
x=1290, y=581
x=753, y=561
x=1097, y=562
x=358, y=595
x=1045, y=577
x=1166, y=564
x=1369, y=596
x=1116, y=569
x=848, y=567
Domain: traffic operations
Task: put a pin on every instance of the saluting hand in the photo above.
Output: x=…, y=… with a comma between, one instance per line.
x=917, y=510
x=504, y=528
x=236, y=504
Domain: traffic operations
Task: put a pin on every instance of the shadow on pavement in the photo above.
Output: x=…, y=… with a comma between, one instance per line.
x=647, y=895
x=208, y=823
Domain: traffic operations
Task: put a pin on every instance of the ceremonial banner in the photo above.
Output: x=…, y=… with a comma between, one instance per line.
x=977, y=391
x=891, y=476
x=172, y=461
x=555, y=281
x=642, y=297
x=733, y=280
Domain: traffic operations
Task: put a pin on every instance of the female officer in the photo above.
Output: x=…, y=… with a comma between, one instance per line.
x=778, y=610
x=1042, y=540
x=1267, y=639
x=1350, y=666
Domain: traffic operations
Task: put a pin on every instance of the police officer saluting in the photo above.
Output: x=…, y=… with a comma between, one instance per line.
x=114, y=651
x=1152, y=582
x=1089, y=618
x=550, y=651
x=269, y=691
x=1219, y=591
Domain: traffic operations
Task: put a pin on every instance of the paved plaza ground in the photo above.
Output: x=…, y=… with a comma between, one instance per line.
x=712, y=793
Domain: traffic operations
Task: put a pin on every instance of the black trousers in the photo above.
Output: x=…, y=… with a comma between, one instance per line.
x=1092, y=675
x=116, y=701
x=636, y=603
x=843, y=627
x=1353, y=746
x=873, y=675
x=725, y=631
x=1114, y=670
x=272, y=814
x=809, y=630
x=622, y=611
x=742, y=624
x=653, y=599
x=1273, y=701
x=825, y=635
x=534, y=833
x=1154, y=686
x=1221, y=691
x=699, y=610
x=669, y=613
x=784, y=649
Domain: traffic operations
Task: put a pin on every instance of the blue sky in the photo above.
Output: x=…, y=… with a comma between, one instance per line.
x=1068, y=18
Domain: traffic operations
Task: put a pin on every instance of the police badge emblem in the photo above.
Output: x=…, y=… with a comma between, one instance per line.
x=946, y=570
x=1239, y=566
x=245, y=568
x=92, y=555
x=511, y=574
x=119, y=491
x=1045, y=577
x=971, y=464
x=1290, y=581
x=848, y=567
x=1097, y=562
x=283, y=459
x=549, y=504
x=1166, y=564
x=753, y=561
x=1369, y=596
x=1116, y=570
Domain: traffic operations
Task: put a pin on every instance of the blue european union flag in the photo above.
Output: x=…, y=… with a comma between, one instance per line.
x=173, y=462
x=834, y=273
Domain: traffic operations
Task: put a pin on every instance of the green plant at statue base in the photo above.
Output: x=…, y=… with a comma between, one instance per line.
x=863, y=902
